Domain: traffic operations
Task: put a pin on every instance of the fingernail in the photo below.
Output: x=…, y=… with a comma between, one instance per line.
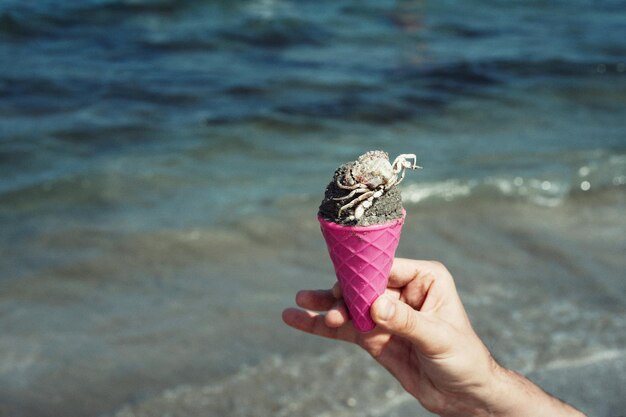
x=385, y=308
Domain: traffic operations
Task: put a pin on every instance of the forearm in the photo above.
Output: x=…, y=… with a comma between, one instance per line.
x=516, y=396
x=506, y=394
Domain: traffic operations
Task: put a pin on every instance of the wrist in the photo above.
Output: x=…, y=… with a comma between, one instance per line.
x=485, y=397
x=493, y=398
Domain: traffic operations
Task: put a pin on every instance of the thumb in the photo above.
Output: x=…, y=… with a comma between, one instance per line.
x=401, y=319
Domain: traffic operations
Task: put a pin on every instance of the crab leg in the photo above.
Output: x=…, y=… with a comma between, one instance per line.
x=354, y=202
x=356, y=191
x=348, y=187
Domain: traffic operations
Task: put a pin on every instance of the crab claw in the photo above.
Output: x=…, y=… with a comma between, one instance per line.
x=404, y=161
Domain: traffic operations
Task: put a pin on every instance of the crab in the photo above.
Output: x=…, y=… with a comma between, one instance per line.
x=369, y=177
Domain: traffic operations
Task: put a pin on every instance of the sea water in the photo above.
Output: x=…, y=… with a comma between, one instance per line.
x=161, y=163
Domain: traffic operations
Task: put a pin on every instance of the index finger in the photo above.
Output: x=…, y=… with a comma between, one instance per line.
x=403, y=271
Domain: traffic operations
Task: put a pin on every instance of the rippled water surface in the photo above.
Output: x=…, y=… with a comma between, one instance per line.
x=161, y=163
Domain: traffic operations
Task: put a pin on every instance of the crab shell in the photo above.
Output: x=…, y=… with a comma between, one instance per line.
x=372, y=169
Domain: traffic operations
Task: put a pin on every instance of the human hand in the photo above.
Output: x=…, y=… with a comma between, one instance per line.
x=426, y=341
x=423, y=337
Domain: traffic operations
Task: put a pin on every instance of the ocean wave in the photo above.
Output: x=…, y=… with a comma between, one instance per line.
x=12, y=25
x=543, y=192
x=25, y=20
x=47, y=94
x=465, y=30
x=341, y=382
x=411, y=93
x=143, y=6
x=15, y=87
x=596, y=175
x=190, y=43
x=457, y=77
x=276, y=33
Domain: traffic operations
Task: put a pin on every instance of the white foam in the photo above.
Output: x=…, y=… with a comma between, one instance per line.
x=342, y=382
x=590, y=359
x=446, y=190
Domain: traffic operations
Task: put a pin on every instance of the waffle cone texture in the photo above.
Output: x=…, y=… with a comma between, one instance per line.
x=362, y=257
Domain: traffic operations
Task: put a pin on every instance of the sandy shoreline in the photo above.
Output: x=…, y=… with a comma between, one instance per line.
x=145, y=314
x=347, y=383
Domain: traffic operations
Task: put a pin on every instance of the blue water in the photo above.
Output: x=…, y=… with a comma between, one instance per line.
x=143, y=142
x=211, y=96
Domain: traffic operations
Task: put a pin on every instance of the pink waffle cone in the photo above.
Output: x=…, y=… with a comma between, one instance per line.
x=362, y=257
